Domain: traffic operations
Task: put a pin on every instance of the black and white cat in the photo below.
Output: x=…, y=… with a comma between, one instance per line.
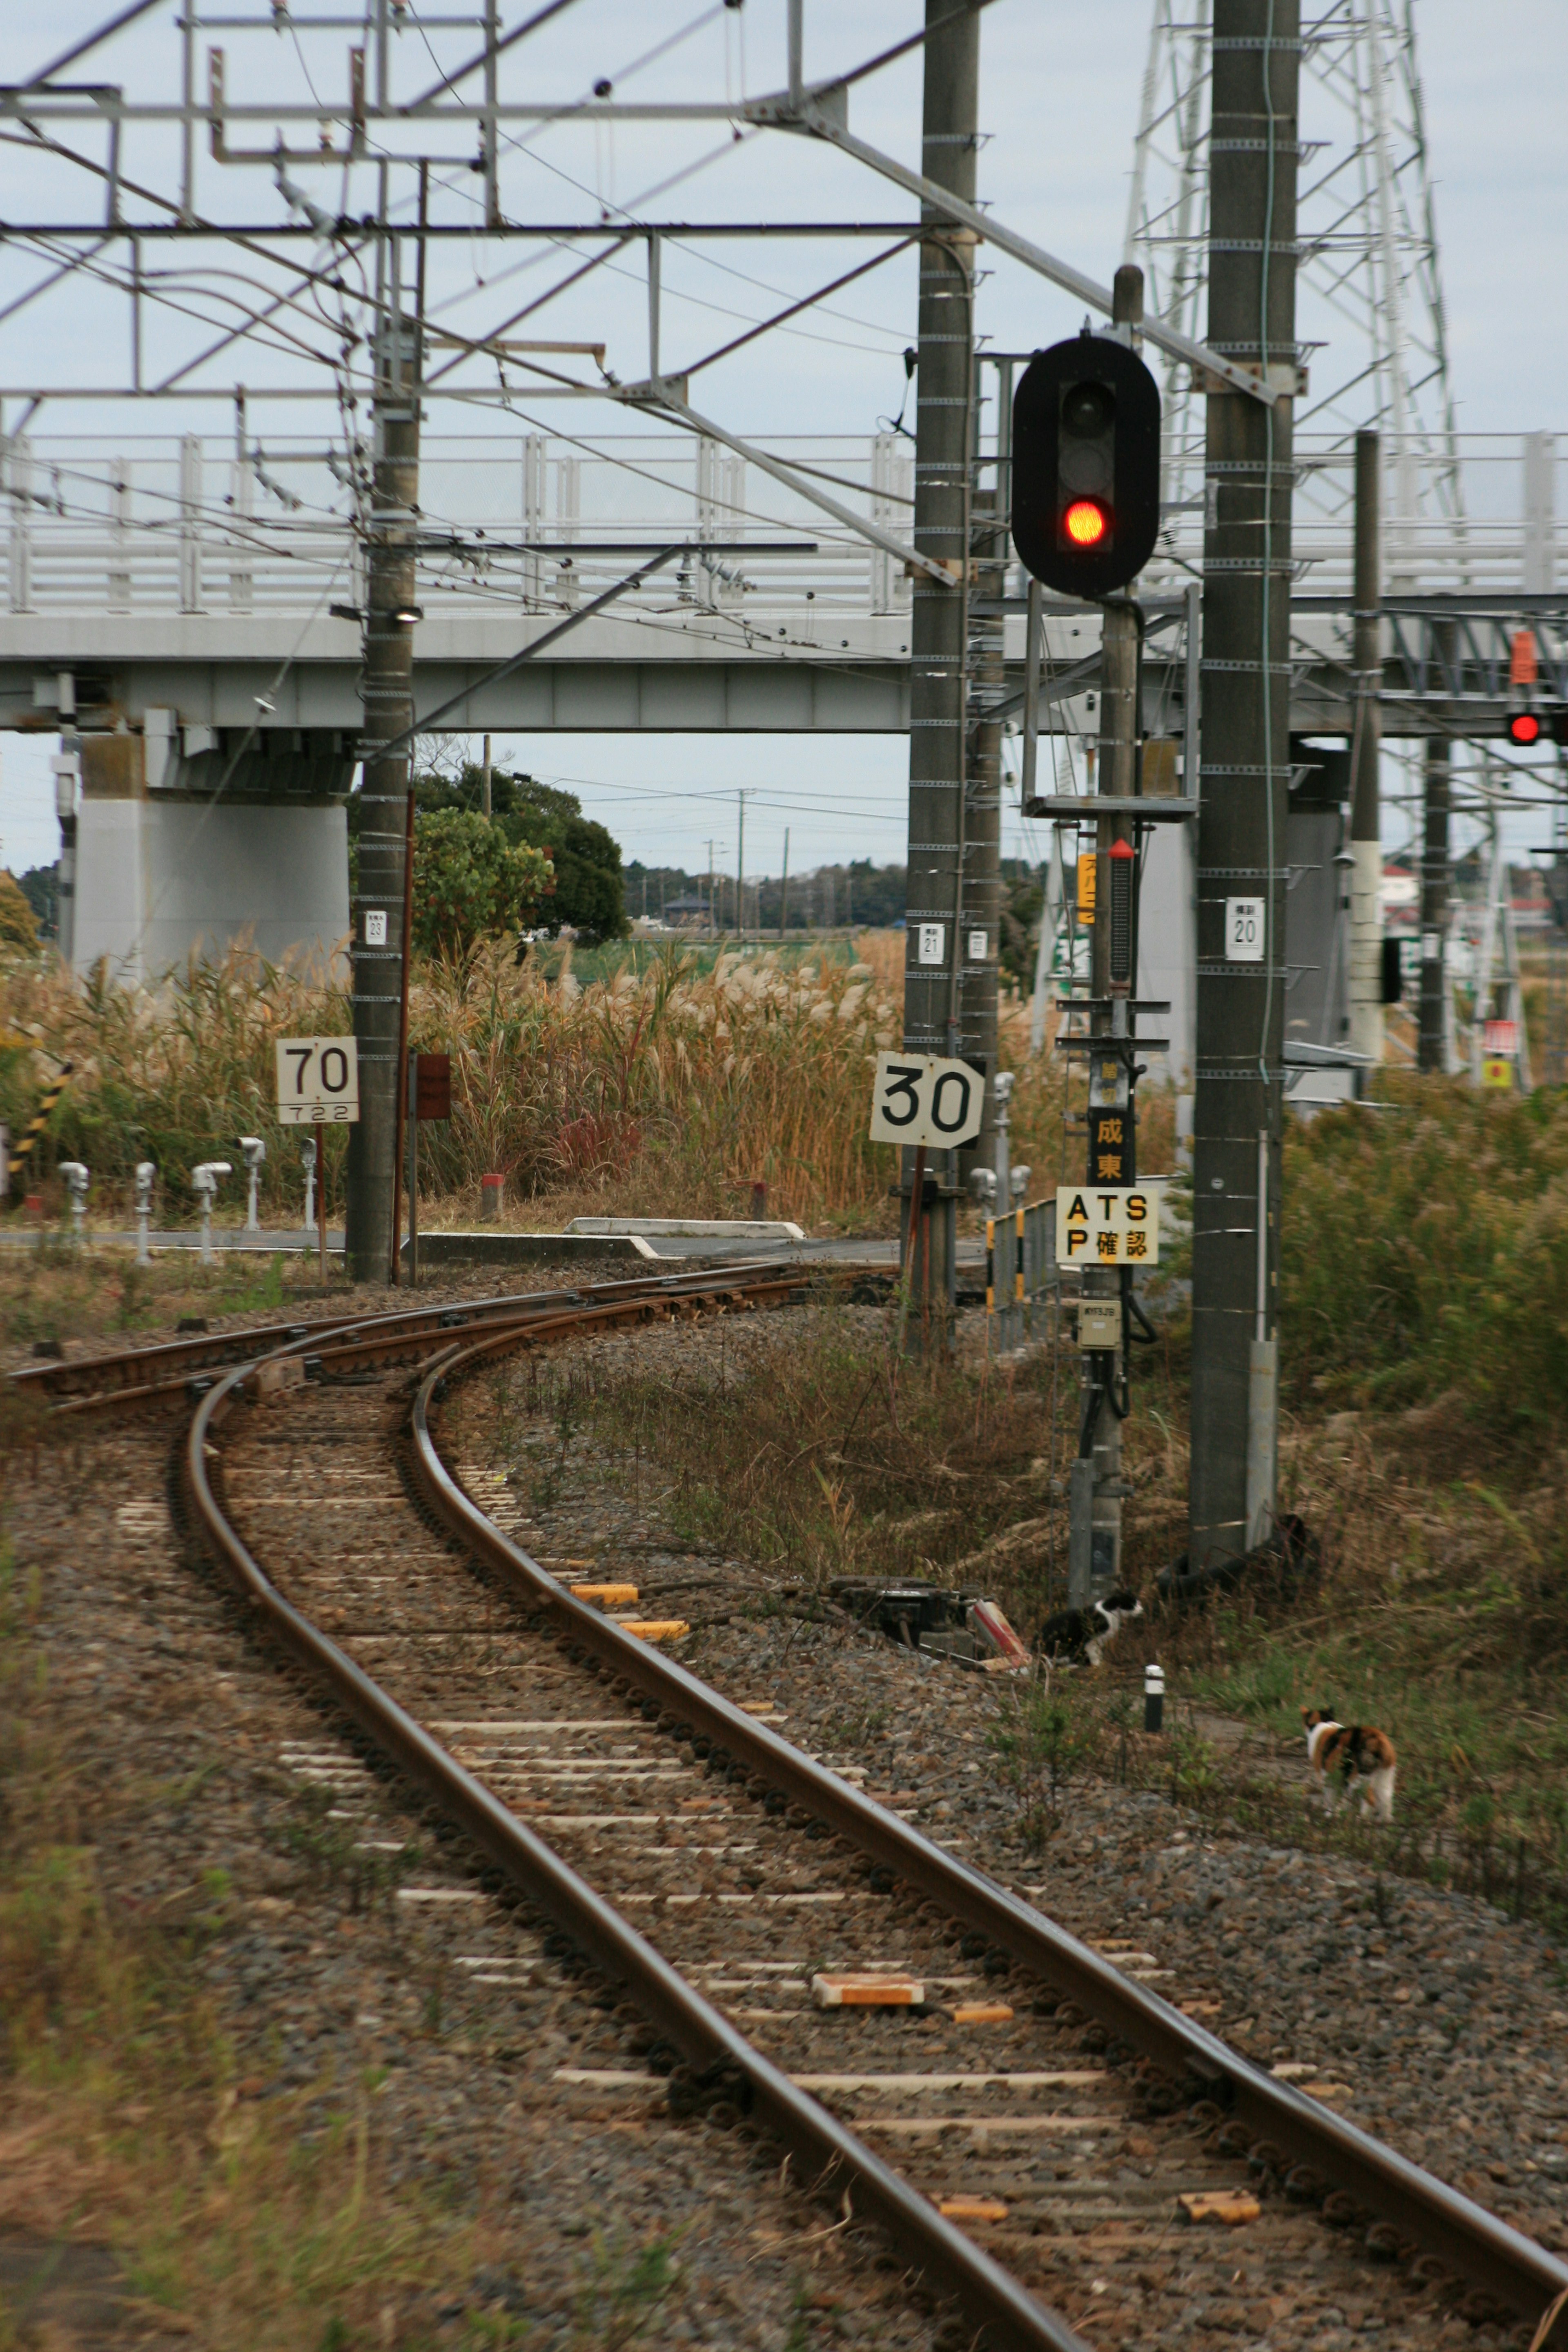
x=1075, y=1636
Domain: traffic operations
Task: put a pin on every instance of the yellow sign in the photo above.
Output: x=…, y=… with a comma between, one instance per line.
x=1497, y=1070
x=1109, y=1225
x=1088, y=866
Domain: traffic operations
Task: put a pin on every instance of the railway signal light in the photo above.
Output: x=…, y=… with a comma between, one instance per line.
x=1524, y=727
x=1086, y=466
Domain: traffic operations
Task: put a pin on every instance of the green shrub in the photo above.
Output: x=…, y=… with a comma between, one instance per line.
x=1425, y=1253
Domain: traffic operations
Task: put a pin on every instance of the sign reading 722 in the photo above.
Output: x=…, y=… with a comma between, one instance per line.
x=318, y=1081
x=925, y=1098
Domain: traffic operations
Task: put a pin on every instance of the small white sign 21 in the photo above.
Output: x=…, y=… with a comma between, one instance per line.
x=318, y=1081
x=925, y=1098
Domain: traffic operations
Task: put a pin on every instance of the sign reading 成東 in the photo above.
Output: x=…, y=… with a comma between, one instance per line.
x=1111, y=1225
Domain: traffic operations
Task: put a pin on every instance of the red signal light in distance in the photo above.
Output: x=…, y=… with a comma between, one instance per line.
x=1525, y=727
x=1085, y=522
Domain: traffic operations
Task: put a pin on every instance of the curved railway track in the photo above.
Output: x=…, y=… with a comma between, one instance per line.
x=709, y=1867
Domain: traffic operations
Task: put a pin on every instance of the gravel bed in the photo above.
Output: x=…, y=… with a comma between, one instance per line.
x=191, y=1745
x=1444, y=2022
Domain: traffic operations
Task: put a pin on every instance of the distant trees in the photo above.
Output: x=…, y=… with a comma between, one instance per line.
x=18, y=924
x=40, y=886
x=590, y=887
x=470, y=882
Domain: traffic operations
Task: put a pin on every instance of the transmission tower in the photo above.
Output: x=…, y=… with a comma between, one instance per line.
x=1368, y=289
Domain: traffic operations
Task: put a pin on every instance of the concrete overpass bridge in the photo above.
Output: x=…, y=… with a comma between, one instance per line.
x=188, y=610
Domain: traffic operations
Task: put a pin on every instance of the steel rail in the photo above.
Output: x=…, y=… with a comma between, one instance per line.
x=833, y=2158
x=139, y=1375
x=1488, y=2251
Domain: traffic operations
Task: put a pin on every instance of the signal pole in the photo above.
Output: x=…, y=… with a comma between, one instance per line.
x=1245, y=768
x=1095, y=1488
x=387, y=691
x=1432, y=1044
x=944, y=442
x=1366, y=749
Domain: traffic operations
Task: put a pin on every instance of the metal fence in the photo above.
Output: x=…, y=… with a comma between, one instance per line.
x=162, y=524
x=202, y=523
x=1020, y=1273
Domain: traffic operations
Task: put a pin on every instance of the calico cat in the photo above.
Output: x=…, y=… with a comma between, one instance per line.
x=1357, y=1751
x=1080, y=1635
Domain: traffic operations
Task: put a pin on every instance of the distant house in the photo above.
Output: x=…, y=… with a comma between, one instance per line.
x=689, y=913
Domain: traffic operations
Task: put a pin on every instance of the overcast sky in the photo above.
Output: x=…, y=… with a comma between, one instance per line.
x=1060, y=89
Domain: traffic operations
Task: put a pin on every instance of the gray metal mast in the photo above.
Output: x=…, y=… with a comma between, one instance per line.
x=1245, y=769
x=944, y=446
x=387, y=692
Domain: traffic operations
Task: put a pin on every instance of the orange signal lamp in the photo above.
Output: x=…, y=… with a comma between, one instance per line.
x=1086, y=522
x=1525, y=727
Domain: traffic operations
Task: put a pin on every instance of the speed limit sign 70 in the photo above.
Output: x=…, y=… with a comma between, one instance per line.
x=923, y=1098
x=318, y=1081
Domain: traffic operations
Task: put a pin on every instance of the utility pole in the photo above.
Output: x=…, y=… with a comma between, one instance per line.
x=1245, y=768
x=485, y=785
x=1366, y=747
x=1432, y=1043
x=713, y=921
x=741, y=871
x=981, y=923
x=944, y=446
x=386, y=691
x=784, y=891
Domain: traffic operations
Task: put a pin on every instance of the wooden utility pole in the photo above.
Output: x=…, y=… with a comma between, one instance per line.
x=1245, y=769
x=944, y=450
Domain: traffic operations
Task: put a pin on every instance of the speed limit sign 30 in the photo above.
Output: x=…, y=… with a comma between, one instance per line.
x=318, y=1081
x=925, y=1098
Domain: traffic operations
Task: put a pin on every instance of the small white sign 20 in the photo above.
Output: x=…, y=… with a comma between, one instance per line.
x=1246, y=928
x=318, y=1081
x=925, y=1098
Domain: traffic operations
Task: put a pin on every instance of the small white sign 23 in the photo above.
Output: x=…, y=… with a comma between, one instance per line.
x=925, y=1098
x=318, y=1081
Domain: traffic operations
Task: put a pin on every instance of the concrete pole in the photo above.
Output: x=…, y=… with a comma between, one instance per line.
x=486, y=781
x=1432, y=1052
x=944, y=439
x=387, y=691
x=982, y=893
x=1366, y=746
x=1244, y=773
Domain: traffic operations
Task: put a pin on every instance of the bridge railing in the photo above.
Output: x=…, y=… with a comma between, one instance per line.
x=529, y=522
x=162, y=525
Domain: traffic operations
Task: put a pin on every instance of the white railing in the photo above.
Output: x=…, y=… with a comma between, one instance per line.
x=165, y=524
x=161, y=525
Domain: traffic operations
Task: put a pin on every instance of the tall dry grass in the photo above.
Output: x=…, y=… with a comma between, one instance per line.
x=654, y=1087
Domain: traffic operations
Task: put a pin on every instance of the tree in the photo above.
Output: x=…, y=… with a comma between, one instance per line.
x=590, y=887
x=470, y=882
x=40, y=886
x=18, y=925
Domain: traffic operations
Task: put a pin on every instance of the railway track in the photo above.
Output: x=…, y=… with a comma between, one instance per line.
x=711, y=1870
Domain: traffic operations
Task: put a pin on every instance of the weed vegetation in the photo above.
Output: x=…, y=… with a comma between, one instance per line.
x=246, y=2225
x=623, y=1081
x=1424, y=1255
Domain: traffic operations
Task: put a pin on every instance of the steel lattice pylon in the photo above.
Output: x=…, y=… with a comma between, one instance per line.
x=1369, y=285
